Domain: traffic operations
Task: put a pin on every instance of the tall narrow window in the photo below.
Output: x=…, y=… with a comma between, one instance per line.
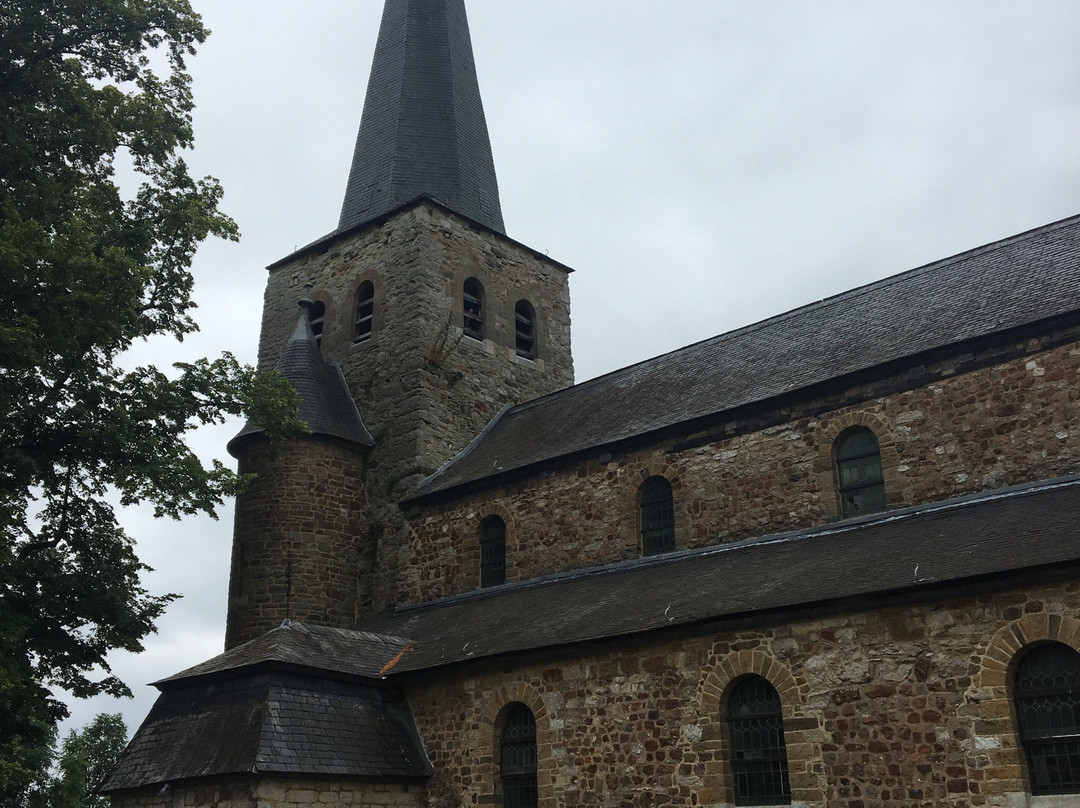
x=525, y=329
x=472, y=297
x=1046, y=689
x=365, y=311
x=657, y=517
x=517, y=755
x=316, y=316
x=492, y=551
x=758, y=754
x=858, y=467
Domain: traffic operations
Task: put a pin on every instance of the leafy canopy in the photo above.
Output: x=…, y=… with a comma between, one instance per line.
x=85, y=270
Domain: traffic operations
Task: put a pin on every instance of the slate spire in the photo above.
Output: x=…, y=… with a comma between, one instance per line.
x=423, y=131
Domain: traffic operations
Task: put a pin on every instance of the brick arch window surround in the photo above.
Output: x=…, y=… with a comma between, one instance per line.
x=525, y=329
x=859, y=472
x=492, y=551
x=517, y=758
x=759, y=765
x=657, y=516
x=472, y=299
x=1046, y=695
x=365, y=311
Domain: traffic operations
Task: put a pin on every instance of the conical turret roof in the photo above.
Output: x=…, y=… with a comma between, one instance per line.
x=423, y=131
x=326, y=405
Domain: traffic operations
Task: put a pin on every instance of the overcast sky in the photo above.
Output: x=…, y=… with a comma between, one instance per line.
x=702, y=164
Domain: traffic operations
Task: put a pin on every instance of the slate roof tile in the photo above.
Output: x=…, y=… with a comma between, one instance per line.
x=990, y=534
x=1001, y=286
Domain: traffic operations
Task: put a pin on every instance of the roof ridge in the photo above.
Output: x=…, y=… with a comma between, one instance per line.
x=815, y=532
x=848, y=294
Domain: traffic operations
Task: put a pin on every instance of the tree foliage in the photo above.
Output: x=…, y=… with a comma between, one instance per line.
x=87, y=268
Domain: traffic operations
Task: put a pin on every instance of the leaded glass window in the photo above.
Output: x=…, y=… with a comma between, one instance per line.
x=657, y=517
x=492, y=551
x=517, y=754
x=858, y=466
x=365, y=311
x=1046, y=690
x=316, y=316
x=472, y=299
x=525, y=330
x=758, y=755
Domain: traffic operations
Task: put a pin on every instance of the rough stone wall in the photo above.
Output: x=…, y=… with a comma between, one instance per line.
x=279, y=793
x=298, y=539
x=423, y=389
x=905, y=706
x=1006, y=423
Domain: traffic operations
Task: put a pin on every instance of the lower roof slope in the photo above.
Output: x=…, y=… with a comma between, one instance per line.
x=840, y=567
x=1011, y=283
x=273, y=722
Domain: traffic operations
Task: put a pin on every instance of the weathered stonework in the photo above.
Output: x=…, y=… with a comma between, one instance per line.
x=300, y=548
x=423, y=389
x=1001, y=424
x=271, y=792
x=905, y=706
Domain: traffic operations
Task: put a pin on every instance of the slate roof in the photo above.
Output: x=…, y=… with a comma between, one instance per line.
x=978, y=537
x=326, y=405
x=423, y=130
x=353, y=653
x=1018, y=281
x=273, y=722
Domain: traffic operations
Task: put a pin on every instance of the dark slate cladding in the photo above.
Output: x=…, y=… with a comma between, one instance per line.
x=326, y=405
x=277, y=723
x=336, y=650
x=423, y=131
x=1005, y=285
x=989, y=537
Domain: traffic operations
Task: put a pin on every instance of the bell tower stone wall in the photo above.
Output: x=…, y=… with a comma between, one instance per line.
x=423, y=388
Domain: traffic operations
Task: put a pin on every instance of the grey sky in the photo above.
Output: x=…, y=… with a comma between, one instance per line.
x=702, y=164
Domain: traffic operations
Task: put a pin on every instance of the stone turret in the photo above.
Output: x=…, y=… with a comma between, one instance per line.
x=295, y=548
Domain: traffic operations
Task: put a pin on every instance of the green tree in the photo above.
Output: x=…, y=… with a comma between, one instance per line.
x=86, y=757
x=86, y=269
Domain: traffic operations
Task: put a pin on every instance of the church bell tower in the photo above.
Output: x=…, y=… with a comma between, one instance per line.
x=436, y=318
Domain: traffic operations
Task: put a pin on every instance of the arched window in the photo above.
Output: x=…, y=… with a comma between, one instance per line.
x=492, y=551
x=365, y=311
x=758, y=754
x=472, y=297
x=525, y=329
x=1046, y=690
x=517, y=756
x=858, y=468
x=657, y=517
x=316, y=316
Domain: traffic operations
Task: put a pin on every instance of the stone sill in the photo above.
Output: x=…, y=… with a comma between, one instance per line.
x=1044, y=801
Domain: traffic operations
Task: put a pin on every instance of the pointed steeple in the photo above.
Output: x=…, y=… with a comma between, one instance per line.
x=423, y=131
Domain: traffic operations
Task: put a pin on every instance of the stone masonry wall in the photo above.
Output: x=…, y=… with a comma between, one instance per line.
x=299, y=541
x=279, y=793
x=423, y=389
x=899, y=707
x=1008, y=423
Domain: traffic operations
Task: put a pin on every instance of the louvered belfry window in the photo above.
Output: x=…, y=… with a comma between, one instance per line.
x=1046, y=690
x=365, y=311
x=472, y=298
x=525, y=330
x=517, y=752
x=317, y=316
x=492, y=551
x=858, y=467
x=758, y=755
x=657, y=517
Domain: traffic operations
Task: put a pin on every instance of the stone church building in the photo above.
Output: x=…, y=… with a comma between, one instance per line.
x=828, y=559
